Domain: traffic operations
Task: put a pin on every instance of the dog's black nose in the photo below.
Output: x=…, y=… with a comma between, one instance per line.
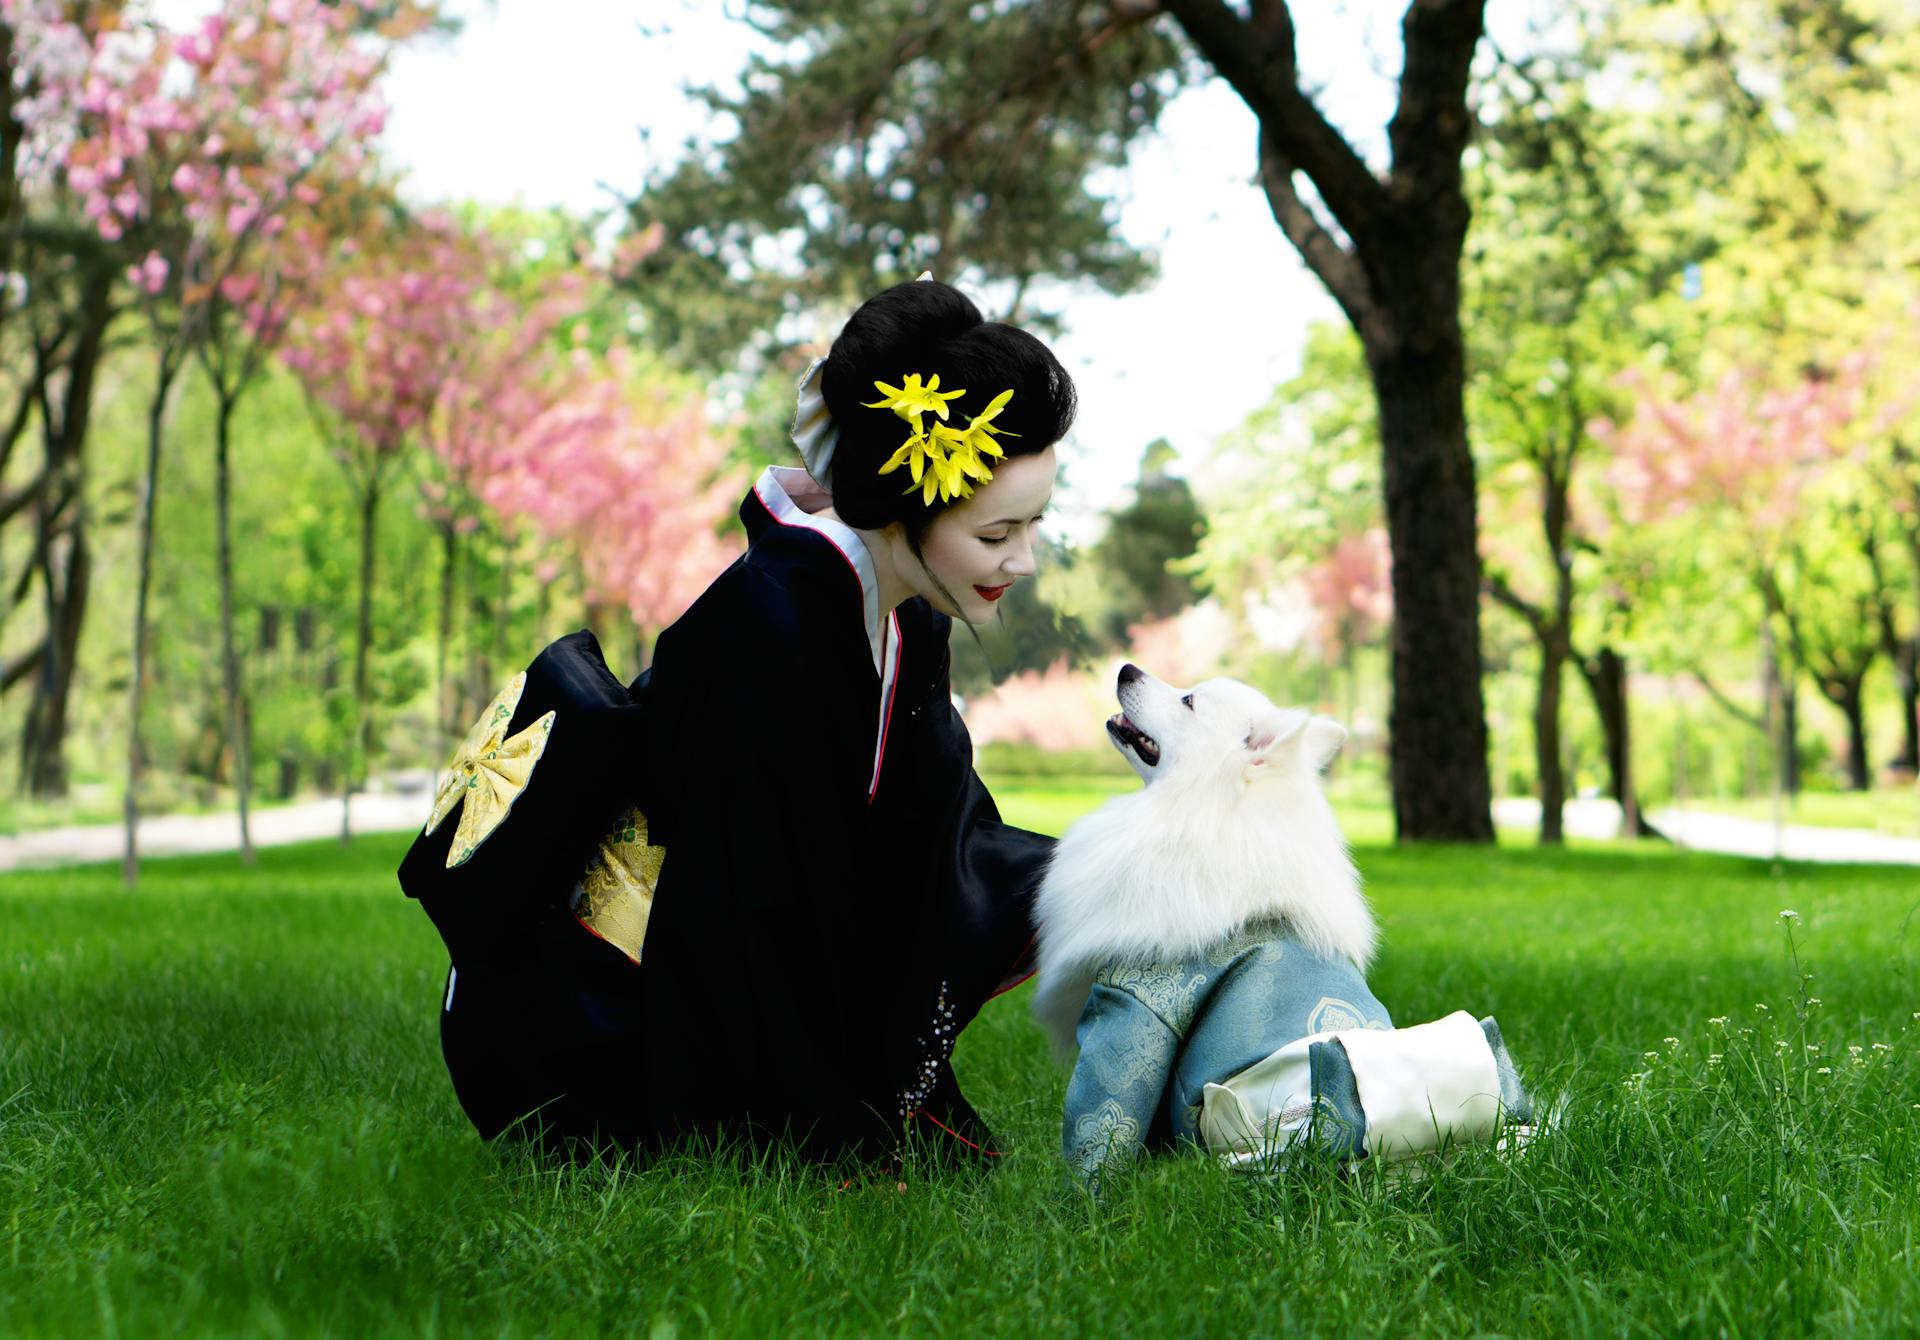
x=1130, y=672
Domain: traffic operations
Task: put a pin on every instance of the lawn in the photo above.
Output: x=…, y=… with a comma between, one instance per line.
x=222, y=1110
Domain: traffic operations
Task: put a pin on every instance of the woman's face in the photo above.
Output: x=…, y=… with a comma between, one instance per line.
x=980, y=547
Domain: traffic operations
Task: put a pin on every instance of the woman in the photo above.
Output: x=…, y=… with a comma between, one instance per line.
x=837, y=897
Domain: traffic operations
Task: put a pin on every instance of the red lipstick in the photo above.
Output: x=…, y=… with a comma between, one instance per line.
x=992, y=592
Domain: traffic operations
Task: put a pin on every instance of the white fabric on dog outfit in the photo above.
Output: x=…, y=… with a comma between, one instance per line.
x=1423, y=1088
x=1280, y=1086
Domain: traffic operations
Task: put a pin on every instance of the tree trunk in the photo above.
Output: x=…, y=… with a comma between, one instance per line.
x=1546, y=742
x=1910, y=685
x=65, y=555
x=67, y=571
x=1907, y=675
x=1859, y=765
x=444, y=725
x=1844, y=687
x=1789, y=760
x=12, y=133
x=239, y=731
x=1438, y=721
x=503, y=609
x=1389, y=253
x=358, y=751
x=149, y=489
x=1606, y=676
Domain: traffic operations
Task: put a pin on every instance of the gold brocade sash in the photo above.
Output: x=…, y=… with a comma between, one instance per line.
x=490, y=771
x=615, y=895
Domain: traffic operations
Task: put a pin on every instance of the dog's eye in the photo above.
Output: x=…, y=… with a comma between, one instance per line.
x=1188, y=701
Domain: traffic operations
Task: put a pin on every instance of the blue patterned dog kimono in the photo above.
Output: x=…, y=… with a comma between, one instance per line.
x=1262, y=1047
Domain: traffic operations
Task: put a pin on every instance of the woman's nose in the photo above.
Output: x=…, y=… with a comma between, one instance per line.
x=1020, y=562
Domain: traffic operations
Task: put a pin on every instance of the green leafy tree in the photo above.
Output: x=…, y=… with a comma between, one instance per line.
x=1140, y=559
x=905, y=137
x=1581, y=226
x=1296, y=478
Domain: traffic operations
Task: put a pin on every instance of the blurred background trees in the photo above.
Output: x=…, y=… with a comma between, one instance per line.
x=293, y=471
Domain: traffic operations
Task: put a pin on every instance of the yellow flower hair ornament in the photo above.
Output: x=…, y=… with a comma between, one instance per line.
x=943, y=460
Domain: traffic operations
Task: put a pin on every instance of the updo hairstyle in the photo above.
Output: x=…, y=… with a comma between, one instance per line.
x=927, y=327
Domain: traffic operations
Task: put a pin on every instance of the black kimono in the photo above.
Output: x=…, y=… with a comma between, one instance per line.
x=838, y=896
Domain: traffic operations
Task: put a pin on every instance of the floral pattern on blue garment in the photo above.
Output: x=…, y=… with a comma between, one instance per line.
x=1154, y=1035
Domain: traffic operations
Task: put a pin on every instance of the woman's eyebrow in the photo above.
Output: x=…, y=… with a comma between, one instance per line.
x=1015, y=520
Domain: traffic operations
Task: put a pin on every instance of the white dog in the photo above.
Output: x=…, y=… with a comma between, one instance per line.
x=1206, y=939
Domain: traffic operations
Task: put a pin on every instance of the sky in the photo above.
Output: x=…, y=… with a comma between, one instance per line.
x=566, y=102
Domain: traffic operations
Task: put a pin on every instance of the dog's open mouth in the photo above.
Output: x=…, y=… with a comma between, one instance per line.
x=1128, y=735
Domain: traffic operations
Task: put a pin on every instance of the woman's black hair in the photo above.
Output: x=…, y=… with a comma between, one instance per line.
x=927, y=327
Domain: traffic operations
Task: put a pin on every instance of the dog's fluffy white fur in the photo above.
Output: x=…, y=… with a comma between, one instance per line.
x=1230, y=827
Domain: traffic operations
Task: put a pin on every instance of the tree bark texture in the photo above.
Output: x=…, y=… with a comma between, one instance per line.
x=11, y=135
x=1842, y=683
x=1606, y=676
x=1905, y=655
x=1389, y=253
x=1859, y=765
x=1438, y=721
x=1546, y=736
x=1907, y=676
x=65, y=558
x=444, y=724
x=358, y=750
x=239, y=727
x=149, y=489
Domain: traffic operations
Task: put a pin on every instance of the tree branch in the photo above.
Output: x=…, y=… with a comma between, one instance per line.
x=28, y=661
x=1431, y=126
x=1338, y=268
x=1728, y=705
x=12, y=504
x=1258, y=60
x=1496, y=586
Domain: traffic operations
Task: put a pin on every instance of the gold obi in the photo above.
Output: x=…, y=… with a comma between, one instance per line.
x=615, y=895
x=490, y=772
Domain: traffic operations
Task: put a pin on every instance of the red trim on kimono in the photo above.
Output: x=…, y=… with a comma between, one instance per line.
x=982, y=1149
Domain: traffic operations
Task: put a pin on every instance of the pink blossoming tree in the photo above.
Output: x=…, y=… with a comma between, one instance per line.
x=1744, y=464
x=373, y=352
x=199, y=149
x=630, y=482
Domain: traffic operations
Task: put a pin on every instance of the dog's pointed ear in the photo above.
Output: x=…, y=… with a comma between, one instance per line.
x=1324, y=738
x=1265, y=741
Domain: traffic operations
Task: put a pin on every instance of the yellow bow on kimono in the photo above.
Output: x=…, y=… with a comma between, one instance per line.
x=488, y=773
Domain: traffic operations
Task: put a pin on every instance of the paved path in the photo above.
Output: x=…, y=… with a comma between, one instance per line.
x=1700, y=831
x=179, y=834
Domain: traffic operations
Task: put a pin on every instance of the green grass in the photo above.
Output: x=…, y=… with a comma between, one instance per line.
x=222, y=1110
x=1892, y=810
